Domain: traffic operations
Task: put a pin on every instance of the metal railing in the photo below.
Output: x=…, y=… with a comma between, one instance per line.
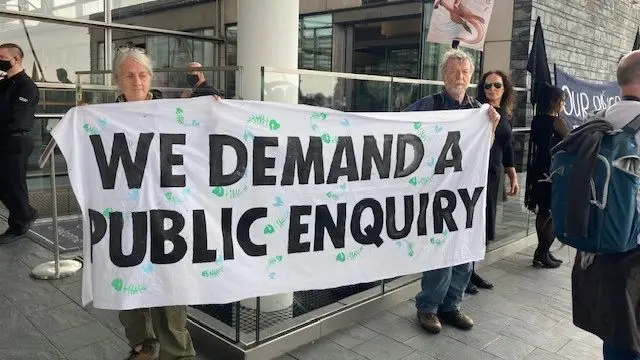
x=58, y=268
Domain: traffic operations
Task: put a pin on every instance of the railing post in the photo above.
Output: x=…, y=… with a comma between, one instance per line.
x=57, y=268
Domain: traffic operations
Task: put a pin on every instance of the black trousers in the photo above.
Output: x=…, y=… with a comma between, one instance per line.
x=14, y=155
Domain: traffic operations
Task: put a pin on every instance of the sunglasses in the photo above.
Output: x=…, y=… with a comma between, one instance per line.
x=488, y=86
x=126, y=49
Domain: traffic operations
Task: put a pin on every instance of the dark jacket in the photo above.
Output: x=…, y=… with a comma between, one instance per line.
x=205, y=89
x=442, y=101
x=153, y=95
x=585, y=143
x=606, y=296
x=19, y=99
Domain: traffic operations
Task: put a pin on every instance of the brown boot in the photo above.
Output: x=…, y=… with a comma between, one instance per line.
x=148, y=350
x=429, y=322
x=457, y=319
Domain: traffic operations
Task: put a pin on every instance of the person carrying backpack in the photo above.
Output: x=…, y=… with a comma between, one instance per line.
x=596, y=174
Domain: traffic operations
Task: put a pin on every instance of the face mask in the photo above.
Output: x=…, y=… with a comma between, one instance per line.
x=192, y=80
x=5, y=65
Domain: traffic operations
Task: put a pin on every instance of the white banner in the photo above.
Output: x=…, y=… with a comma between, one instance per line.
x=462, y=20
x=191, y=201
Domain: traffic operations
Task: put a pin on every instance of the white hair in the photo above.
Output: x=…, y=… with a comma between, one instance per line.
x=137, y=55
x=455, y=54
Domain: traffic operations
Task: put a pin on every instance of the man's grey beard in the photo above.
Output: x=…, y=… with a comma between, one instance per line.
x=456, y=91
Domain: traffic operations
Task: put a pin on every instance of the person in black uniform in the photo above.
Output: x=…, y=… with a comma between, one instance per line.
x=496, y=89
x=547, y=130
x=199, y=85
x=18, y=101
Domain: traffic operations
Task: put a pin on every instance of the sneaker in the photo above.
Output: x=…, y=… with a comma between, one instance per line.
x=149, y=350
x=429, y=322
x=456, y=319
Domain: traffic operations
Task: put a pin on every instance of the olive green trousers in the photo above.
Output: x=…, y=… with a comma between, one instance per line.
x=165, y=324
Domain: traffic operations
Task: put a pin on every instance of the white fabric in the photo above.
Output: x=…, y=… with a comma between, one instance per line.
x=147, y=283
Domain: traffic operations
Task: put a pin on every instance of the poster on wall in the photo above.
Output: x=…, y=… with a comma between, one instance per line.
x=463, y=20
x=190, y=201
x=583, y=98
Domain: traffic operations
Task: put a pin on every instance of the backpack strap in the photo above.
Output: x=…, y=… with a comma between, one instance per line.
x=438, y=102
x=633, y=126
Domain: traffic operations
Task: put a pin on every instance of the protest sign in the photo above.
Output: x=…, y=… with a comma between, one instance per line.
x=462, y=20
x=191, y=201
x=583, y=98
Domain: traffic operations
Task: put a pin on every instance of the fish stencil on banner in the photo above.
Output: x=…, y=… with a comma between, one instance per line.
x=254, y=201
x=465, y=21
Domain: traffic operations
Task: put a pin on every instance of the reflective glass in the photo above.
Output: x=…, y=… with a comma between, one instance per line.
x=72, y=9
x=164, y=14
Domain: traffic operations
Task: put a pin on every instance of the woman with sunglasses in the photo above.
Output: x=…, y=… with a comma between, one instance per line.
x=495, y=88
x=547, y=130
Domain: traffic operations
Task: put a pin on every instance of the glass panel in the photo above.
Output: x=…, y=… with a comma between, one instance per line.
x=315, y=40
x=164, y=14
x=169, y=52
x=231, y=54
x=388, y=48
x=72, y=9
x=513, y=220
x=53, y=52
x=405, y=93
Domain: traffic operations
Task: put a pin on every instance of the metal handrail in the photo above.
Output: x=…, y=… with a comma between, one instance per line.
x=166, y=70
x=58, y=268
x=48, y=116
x=351, y=76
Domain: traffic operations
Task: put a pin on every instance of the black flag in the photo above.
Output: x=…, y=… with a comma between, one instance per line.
x=537, y=64
x=636, y=42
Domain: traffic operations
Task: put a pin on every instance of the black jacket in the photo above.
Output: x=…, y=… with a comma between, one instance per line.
x=205, y=89
x=19, y=99
x=442, y=101
x=606, y=298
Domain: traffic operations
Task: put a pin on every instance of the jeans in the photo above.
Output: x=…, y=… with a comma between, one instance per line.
x=443, y=289
x=614, y=353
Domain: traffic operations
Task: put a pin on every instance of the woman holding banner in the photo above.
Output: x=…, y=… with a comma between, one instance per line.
x=547, y=130
x=153, y=332
x=496, y=89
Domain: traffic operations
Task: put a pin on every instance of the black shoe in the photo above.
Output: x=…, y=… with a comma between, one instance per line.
x=554, y=258
x=11, y=235
x=480, y=282
x=32, y=218
x=456, y=319
x=543, y=260
x=471, y=289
